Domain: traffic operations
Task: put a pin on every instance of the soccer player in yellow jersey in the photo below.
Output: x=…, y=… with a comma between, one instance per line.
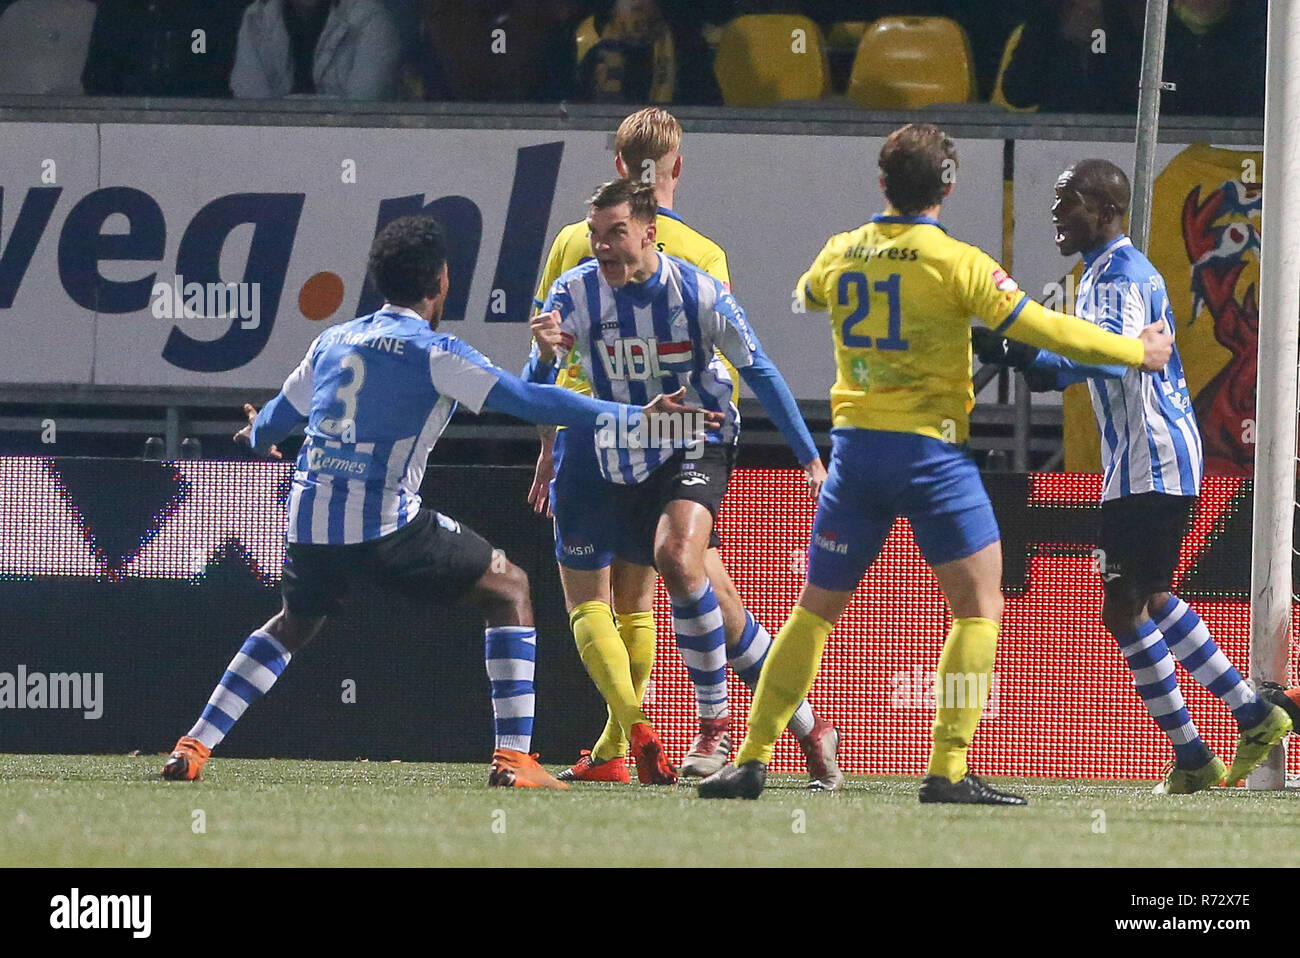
x=900, y=293
x=647, y=147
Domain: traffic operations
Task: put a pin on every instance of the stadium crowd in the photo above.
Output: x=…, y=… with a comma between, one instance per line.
x=1051, y=55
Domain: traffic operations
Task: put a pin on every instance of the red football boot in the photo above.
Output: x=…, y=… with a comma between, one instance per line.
x=587, y=769
x=652, y=766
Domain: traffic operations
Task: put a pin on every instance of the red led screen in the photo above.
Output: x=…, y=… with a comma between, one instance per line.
x=1063, y=703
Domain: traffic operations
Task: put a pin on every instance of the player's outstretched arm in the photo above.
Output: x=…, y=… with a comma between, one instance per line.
x=283, y=414
x=740, y=345
x=1043, y=369
x=1048, y=371
x=564, y=407
x=257, y=433
x=767, y=383
x=1079, y=340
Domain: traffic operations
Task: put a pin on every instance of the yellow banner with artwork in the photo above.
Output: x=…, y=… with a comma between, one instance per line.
x=1205, y=221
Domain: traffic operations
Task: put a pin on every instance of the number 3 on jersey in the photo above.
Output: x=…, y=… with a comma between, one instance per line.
x=345, y=427
x=890, y=286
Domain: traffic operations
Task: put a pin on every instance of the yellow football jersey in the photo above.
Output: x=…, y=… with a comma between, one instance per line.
x=573, y=245
x=901, y=293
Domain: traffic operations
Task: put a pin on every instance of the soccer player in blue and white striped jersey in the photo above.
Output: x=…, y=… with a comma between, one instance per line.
x=644, y=323
x=647, y=146
x=1152, y=459
x=374, y=395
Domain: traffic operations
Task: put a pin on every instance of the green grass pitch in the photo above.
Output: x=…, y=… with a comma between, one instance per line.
x=76, y=811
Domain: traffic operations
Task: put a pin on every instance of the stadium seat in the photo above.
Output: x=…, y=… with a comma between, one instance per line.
x=762, y=59
x=997, y=98
x=909, y=62
x=585, y=37
x=43, y=45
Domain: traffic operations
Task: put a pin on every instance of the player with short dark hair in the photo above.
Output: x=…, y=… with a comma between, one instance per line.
x=1153, y=462
x=374, y=395
x=639, y=197
x=901, y=292
x=916, y=168
x=643, y=322
x=647, y=148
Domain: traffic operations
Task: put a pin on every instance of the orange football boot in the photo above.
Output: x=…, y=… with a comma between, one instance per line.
x=511, y=769
x=652, y=766
x=186, y=761
x=587, y=769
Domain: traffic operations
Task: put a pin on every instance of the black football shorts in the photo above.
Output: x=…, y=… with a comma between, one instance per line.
x=1140, y=540
x=703, y=479
x=431, y=558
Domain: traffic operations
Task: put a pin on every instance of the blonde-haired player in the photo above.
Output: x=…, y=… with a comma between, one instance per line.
x=647, y=147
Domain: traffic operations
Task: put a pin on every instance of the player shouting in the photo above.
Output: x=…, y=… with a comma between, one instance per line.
x=375, y=394
x=644, y=322
x=647, y=147
x=900, y=292
x=1153, y=462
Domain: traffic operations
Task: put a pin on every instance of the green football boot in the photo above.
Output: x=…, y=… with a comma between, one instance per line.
x=1185, y=781
x=1254, y=743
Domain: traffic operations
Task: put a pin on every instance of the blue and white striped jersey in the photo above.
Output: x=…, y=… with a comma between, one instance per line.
x=1150, y=441
x=375, y=394
x=644, y=339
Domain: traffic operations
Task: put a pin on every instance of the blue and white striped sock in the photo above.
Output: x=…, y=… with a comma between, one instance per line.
x=1190, y=641
x=249, y=676
x=511, y=654
x=702, y=642
x=746, y=659
x=1153, y=673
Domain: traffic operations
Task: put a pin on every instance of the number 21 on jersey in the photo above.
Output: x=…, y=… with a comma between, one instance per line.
x=848, y=329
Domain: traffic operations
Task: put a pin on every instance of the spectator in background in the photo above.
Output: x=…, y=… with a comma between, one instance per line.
x=654, y=51
x=613, y=73
x=689, y=19
x=43, y=45
x=634, y=60
x=1064, y=65
x=1214, y=56
x=162, y=48
x=339, y=48
x=502, y=50
x=405, y=16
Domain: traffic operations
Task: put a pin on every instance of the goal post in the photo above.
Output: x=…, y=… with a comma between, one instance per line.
x=1275, y=405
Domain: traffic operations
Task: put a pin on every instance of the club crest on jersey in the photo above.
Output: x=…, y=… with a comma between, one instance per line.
x=1004, y=282
x=637, y=359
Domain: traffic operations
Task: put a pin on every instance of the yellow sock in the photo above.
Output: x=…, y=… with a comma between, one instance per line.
x=637, y=629
x=962, y=688
x=787, y=675
x=603, y=653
